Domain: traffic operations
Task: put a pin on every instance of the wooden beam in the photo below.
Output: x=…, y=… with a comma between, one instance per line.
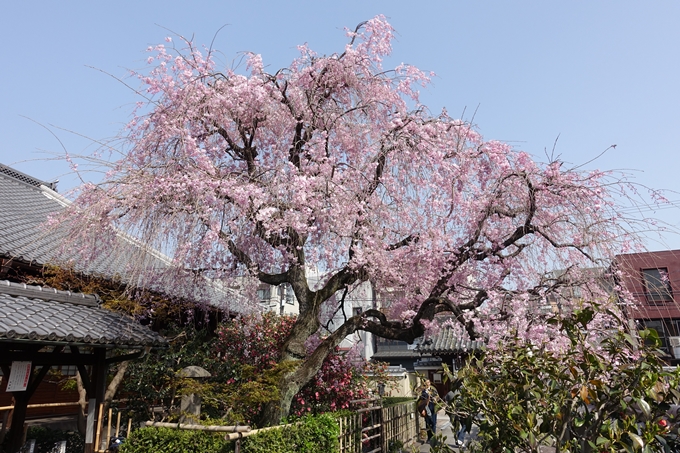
x=84, y=376
x=47, y=358
x=21, y=399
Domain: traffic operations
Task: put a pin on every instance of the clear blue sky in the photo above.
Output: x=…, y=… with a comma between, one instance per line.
x=596, y=73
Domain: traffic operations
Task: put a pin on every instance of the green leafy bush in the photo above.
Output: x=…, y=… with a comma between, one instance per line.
x=395, y=400
x=45, y=439
x=606, y=392
x=153, y=381
x=313, y=434
x=169, y=440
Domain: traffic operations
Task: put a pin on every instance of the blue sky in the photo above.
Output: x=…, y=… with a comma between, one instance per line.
x=594, y=73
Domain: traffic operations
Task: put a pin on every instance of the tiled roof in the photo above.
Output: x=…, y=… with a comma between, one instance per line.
x=32, y=313
x=446, y=342
x=395, y=354
x=25, y=205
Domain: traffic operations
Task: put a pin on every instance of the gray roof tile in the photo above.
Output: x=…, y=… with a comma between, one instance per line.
x=62, y=321
x=446, y=342
x=25, y=205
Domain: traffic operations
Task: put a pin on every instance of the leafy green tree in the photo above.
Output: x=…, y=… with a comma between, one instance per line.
x=154, y=382
x=602, y=392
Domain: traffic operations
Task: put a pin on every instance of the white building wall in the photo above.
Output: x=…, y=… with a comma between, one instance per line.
x=358, y=300
x=281, y=300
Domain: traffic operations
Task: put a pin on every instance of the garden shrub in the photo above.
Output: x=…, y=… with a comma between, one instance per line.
x=170, y=440
x=395, y=400
x=604, y=391
x=312, y=434
x=46, y=438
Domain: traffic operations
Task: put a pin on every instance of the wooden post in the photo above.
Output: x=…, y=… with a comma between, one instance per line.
x=89, y=429
x=98, y=384
x=118, y=424
x=99, y=428
x=108, y=429
x=129, y=430
x=5, y=418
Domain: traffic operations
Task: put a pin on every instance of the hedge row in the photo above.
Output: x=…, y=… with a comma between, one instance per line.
x=389, y=401
x=46, y=439
x=314, y=434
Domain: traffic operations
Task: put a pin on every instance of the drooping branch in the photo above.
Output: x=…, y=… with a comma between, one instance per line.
x=397, y=330
x=411, y=238
x=338, y=281
x=243, y=258
x=469, y=251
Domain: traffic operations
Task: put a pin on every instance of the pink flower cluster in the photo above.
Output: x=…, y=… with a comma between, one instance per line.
x=256, y=340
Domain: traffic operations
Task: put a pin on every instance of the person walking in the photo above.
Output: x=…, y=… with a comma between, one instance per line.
x=428, y=397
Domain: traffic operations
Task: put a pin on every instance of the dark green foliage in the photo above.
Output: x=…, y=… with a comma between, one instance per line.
x=606, y=391
x=313, y=434
x=168, y=440
x=395, y=400
x=46, y=438
x=153, y=381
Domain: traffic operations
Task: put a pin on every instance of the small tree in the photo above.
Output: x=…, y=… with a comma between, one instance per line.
x=332, y=163
x=250, y=347
x=601, y=392
x=155, y=382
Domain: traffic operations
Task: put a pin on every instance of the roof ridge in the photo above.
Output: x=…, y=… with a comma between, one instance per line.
x=46, y=293
x=23, y=177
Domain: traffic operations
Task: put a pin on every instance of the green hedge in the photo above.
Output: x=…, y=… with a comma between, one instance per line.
x=169, y=440
x=313, y=434
x=394, y=400
x=45, y=438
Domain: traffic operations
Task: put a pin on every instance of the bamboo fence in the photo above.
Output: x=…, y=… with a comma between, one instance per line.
x=399, y=423
x=369, y=429
x=374, y=428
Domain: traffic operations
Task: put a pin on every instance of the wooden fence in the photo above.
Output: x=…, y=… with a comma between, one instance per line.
x=370, y=428
x=400, y=423
x=373, y=428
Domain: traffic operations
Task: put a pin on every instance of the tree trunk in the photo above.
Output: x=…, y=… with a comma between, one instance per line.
x=277, y=410
x=82, y=405
x=291, y=383
x=111, y=390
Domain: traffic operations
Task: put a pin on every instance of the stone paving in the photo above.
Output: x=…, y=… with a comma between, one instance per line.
x=444, y=428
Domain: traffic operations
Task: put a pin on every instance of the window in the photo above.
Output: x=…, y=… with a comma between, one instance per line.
x=66, y=370
x=287, y=294
x=657, y=285
x=69, y=370
x=263, y=295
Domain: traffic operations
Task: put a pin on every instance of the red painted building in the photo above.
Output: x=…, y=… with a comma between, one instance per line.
x=653, y=279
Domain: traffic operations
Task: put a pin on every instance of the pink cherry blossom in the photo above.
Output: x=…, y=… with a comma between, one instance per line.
x=332, y=163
